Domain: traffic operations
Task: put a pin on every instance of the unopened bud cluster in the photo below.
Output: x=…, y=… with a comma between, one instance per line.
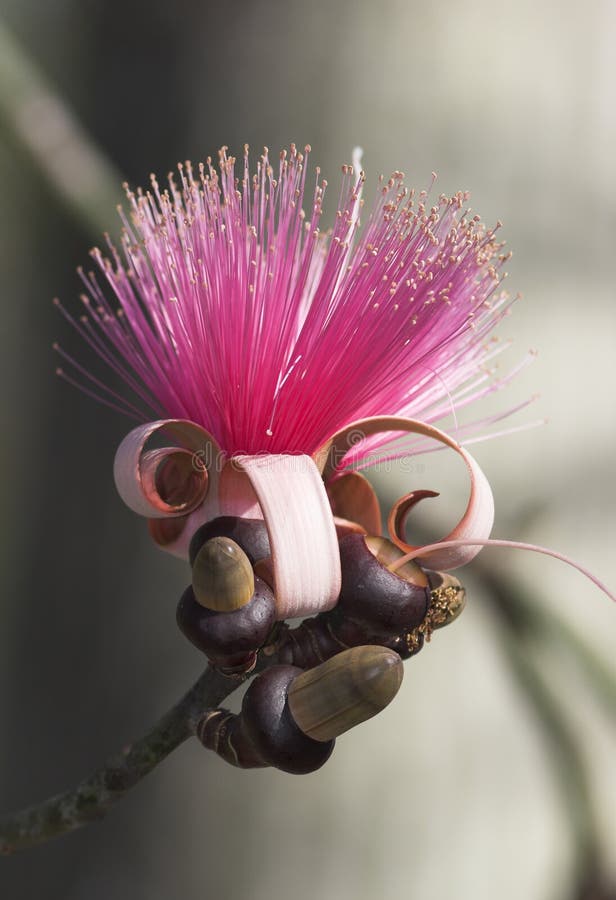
x=338, y=669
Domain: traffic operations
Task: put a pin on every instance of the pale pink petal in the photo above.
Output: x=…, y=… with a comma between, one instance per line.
x=235, y=493
x=477, y=521
x=140, y=474
x=300, y=524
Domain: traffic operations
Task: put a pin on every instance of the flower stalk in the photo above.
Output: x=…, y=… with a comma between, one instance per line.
x=96, y=795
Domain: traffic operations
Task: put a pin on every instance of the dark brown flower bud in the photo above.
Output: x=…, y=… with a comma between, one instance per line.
x=250, y=534
x=383, y=602
x=290, y=717
x=271, y=729
x=229, y=639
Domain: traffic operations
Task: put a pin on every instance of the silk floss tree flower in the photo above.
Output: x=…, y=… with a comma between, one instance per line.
x=281, y=359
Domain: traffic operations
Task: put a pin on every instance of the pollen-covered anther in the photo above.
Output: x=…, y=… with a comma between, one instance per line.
x=447, y=601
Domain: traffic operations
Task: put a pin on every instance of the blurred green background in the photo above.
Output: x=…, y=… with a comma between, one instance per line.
x=492, y=773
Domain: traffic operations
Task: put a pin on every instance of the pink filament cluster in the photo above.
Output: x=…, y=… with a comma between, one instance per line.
x=231, y=308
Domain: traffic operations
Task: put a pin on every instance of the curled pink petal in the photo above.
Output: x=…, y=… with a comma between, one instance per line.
x=478, y=517
x=302, y=534
x=236, y=494
x=171, y=481
x=396, y=521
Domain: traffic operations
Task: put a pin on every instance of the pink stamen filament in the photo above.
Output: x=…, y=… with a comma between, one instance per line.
x=237, y=313
x=512, y=545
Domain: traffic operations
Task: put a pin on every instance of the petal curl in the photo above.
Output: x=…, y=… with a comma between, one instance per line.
x=302, y=534
x=396, y=520
x=478, y=518
x=236, y=493
x=171, y=481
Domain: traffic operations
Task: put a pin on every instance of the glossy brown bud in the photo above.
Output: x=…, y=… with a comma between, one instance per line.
x=387, y=554
x=250, y=534
x=229, y=639
x=222, y=576
x=383, y=602
x=271, y=729
x=348, y=689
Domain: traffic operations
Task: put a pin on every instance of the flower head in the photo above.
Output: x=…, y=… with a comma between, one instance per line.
x=291, y=353
x=233, y=309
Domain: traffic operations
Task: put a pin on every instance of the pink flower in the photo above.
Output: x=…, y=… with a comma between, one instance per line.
x=279, y=355
x=232, y=309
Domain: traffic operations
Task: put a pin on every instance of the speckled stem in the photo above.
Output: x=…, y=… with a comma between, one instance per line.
x=97, y=794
